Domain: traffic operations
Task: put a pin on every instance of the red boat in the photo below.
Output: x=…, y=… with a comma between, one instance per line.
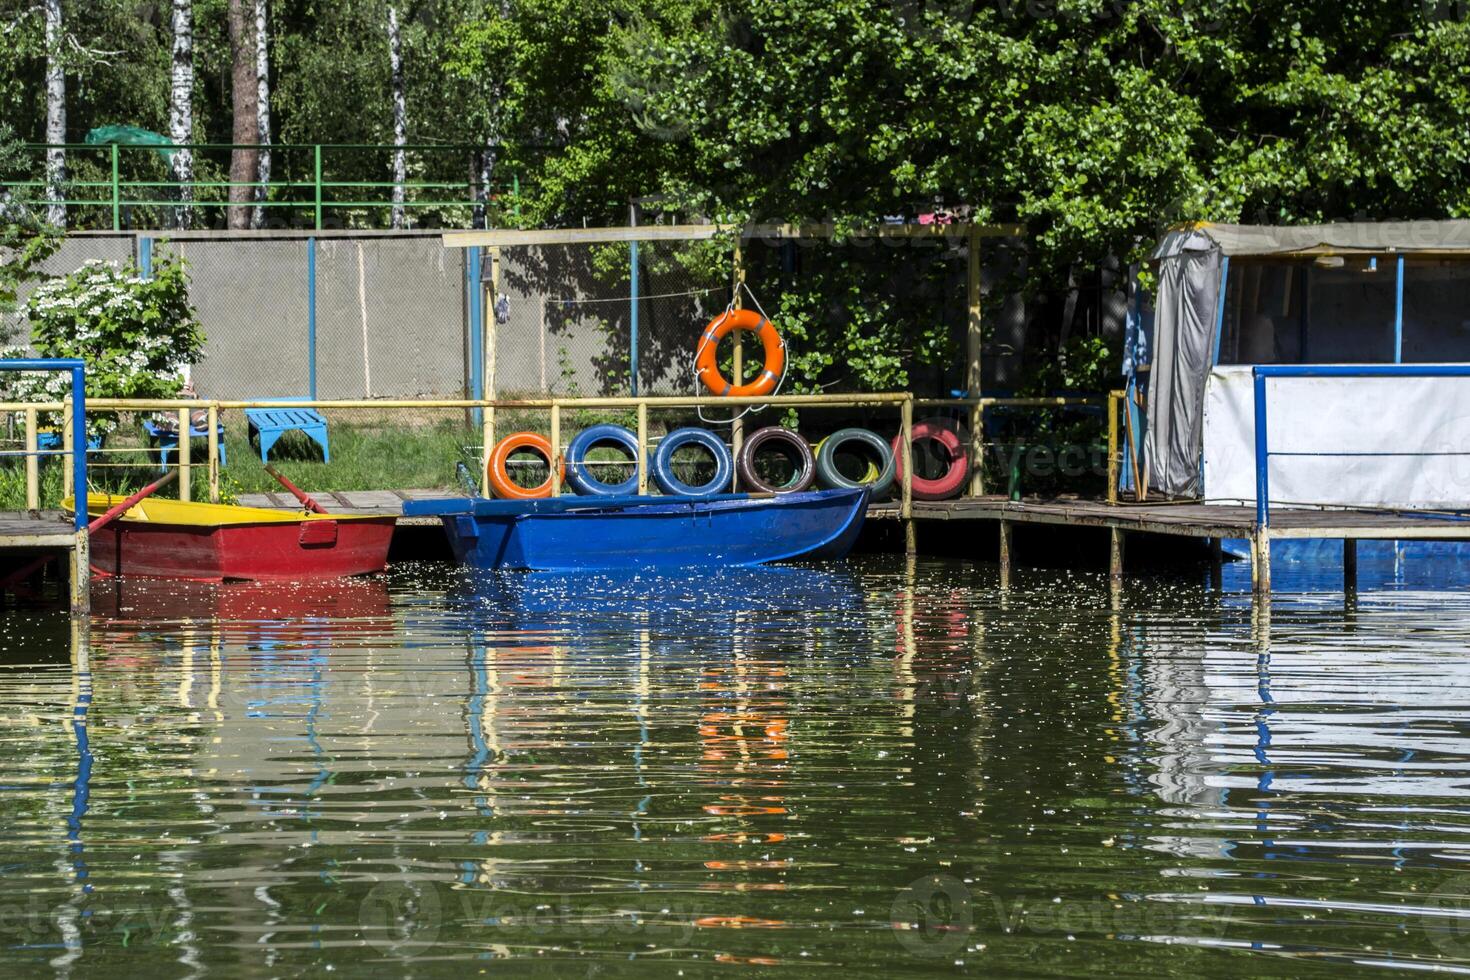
x=216, y=542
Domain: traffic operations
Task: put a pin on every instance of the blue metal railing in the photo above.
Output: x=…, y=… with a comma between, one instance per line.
x=78, y=371
x=1262, y=372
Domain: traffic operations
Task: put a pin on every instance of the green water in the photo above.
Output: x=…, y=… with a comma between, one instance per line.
x=876, y=768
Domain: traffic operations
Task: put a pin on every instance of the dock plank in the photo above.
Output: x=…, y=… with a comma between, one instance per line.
x=1187, y=519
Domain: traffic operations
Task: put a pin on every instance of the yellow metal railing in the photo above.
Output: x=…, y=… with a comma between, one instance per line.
x=1116, y=454
x=903, y=402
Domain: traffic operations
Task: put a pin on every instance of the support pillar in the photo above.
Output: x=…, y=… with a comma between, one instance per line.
x=1261, y=562
x=1350, y=565
x=81, y=575
x=910, y=538
x=1006, y=536
x=1217, y=562
x=1115, y=558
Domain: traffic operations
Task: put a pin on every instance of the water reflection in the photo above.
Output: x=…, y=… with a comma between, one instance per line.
x=875, y=767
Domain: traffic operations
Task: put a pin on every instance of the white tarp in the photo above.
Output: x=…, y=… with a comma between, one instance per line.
x=1416, y=425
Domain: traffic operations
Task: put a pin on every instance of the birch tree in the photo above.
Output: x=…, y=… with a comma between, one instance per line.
x=400, y=116
x=494, y=128
x=245, y=125
x=262, y=115
x=55, y=116
x=181, y=107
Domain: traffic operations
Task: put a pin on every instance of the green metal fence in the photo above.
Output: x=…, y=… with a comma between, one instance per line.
x=317, y=182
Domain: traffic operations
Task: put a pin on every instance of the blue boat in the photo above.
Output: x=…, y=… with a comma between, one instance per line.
x=573, y=533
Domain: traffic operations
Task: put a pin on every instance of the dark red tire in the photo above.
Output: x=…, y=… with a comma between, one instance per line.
x=789, y=442
x=947, y=436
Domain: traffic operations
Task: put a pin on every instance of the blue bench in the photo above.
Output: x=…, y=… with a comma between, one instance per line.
x=49, y=440
x=168, y=438
x=269, y=424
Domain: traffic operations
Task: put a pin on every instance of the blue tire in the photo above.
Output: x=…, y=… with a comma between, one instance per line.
x=663, y=463
x=579, y=475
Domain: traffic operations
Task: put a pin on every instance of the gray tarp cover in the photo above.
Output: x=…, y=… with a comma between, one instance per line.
x=1375, y=236
x=1184, y=328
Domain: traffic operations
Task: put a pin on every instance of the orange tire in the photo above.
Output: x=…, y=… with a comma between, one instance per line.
x=709, y=343
x=497, y=473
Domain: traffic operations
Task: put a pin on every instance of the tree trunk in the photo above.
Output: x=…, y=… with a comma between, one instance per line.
x=246, y=127
x=55, y=117
x=489, y=158
x=263, y=114
x=181, y=107
x=400, y=117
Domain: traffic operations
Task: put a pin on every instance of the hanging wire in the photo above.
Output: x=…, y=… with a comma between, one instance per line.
x=704, y=341
x=569, y=301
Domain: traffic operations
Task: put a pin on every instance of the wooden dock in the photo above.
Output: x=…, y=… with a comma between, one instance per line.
x=28, y=539
x=1205, y=522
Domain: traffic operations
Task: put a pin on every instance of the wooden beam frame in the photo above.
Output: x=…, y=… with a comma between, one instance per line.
x=511, y=237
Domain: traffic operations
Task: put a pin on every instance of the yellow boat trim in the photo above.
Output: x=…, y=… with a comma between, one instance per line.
x=190, y=514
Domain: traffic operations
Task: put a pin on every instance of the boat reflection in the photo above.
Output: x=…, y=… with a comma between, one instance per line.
x=152, y=600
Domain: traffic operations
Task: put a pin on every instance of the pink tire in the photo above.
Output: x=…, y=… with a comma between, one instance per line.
x=944, y=432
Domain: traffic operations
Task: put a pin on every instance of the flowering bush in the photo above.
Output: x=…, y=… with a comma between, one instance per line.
x=135, y=334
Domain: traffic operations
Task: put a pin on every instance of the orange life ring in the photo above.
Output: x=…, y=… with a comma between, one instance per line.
x=709, y=342
x=498, y=476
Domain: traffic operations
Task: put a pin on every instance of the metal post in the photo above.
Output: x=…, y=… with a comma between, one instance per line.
x=1114, y=397
x=737, y=428
x=145, y=258
x=487, y=446
x=1349, y=565
x=116, y=198
x=906, y=462
x=33, y=462
x=311, y=318
x=79, y=442
x=555, y=460
x=642, y=448
x=1220, y=308
x=491, y=329
x=475, y=298
x=68, y=445
x=213, y=454
x=316, y=182
x=633, y=320
x=1263, y=475
x=1398, y=314
x=182, y=451
x=974, y=376
x=1217, y=562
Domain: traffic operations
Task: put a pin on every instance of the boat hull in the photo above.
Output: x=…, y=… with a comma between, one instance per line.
x=214, y=543
x=571, y=534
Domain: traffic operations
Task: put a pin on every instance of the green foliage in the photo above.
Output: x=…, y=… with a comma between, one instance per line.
x=1084, y=364
x=135, y=335
x=25, y=242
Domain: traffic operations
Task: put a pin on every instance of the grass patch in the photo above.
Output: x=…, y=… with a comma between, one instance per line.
x=363, y=458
